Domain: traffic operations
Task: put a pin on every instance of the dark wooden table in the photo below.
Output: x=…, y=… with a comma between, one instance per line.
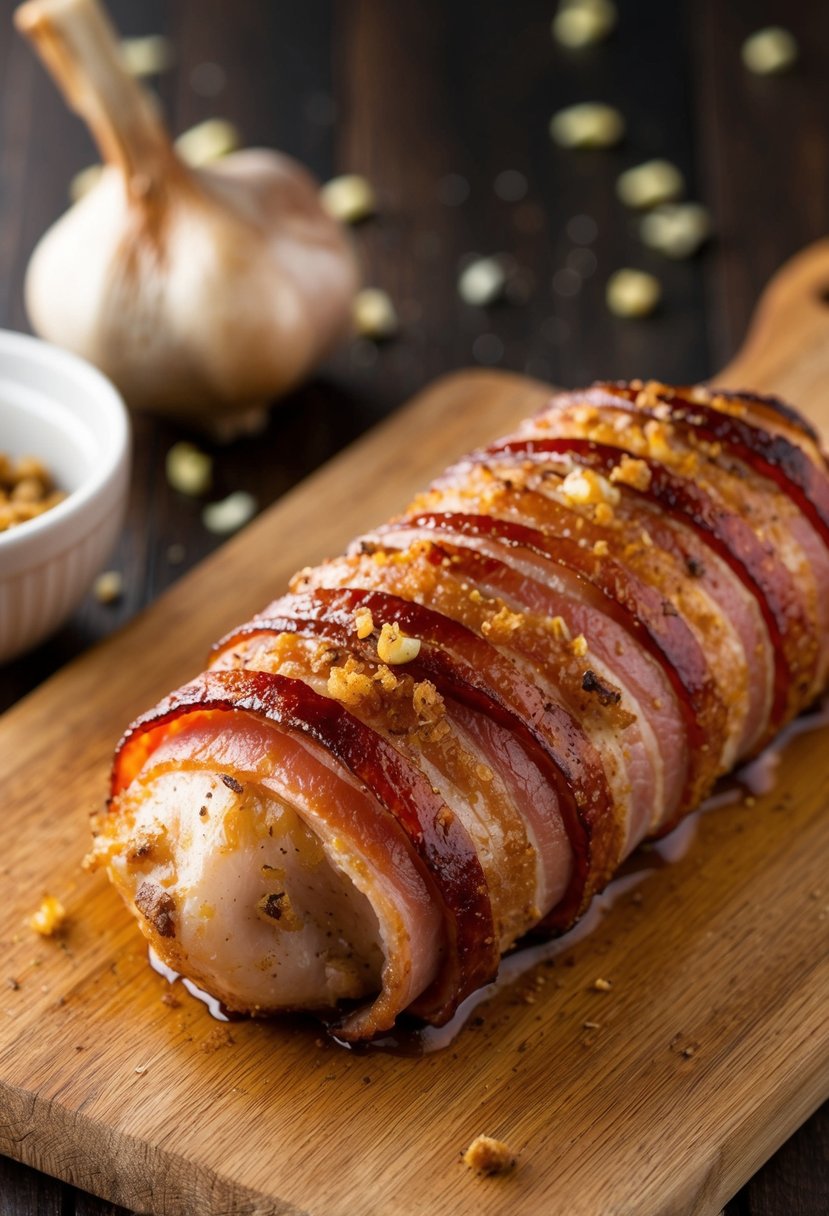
x=432, y=101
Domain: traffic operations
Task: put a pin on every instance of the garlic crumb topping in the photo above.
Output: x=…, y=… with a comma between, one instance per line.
x=585, y=415
x=503, y=623
x=579, y=646
x=395, y=647
x=349, y=684
x=659, y=436
x=583, y=487
x=385, y=677
x=632, y=472
x=559, y=628
x=427, y=701
x=600, y=548
x=363, y=623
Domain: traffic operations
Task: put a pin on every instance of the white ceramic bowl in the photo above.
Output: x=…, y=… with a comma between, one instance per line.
x=58, y=408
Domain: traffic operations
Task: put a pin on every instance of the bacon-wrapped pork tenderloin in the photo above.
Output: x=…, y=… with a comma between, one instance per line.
x=453, y=735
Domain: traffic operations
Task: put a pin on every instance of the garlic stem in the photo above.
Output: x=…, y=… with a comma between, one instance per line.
x=78, y=45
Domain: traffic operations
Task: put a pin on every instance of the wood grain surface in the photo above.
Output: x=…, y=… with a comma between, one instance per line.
x=786, y=349
x=417, y=96
x=659, y=1096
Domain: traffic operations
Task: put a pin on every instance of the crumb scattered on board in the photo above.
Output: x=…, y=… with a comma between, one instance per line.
x=218, y=1038
x=486, y=1155
x=50, y=917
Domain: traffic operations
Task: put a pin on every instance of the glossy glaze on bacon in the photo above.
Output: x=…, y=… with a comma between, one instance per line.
x=583, y=626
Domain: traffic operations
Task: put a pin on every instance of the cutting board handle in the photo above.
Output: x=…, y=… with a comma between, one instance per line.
x=786, y=349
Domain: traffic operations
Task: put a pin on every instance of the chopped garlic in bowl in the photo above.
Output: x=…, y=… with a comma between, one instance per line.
x=57, y=406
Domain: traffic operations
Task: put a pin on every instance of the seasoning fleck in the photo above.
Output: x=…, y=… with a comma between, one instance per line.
x=158, y=907
x=607, y=696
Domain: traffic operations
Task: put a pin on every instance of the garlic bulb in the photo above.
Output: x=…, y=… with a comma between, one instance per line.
x=203, y=293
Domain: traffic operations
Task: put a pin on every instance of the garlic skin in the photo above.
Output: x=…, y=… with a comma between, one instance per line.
x=202, y=293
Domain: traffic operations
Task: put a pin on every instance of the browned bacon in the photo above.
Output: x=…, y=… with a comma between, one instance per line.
x=453, y=735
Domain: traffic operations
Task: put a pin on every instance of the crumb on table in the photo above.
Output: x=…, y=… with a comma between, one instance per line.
x=217, y=1038
x=488, y=1156
x=49, y=918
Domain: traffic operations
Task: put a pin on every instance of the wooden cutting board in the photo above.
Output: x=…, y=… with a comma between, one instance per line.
x=659, y=1096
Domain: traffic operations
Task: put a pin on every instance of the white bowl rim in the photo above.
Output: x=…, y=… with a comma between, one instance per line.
x=36, y=350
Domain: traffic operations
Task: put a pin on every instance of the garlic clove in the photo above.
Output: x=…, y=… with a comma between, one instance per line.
x=207, y=141
x=770, y=51
x=202, y=293
x=589, y=124
x=349, y=198
x=633, y=293
x=374, y=315
x=147, y=55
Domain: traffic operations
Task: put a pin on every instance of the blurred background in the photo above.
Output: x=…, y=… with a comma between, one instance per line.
x=445, y=109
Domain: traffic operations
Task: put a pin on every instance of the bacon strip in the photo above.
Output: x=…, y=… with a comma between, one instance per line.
x=470, y=670
x=402, y=791
x=597, y=616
